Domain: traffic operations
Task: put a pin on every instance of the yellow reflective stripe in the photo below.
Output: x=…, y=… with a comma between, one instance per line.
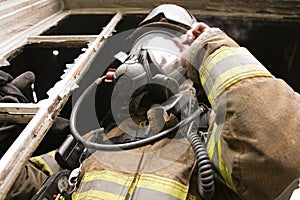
x=108, y=184
x=39, y=161
x=46, y=162
x=234, y=75
x=211, y=142
x=225, y=173
x=96, y=195
x=164, y=185
x=227, y=66
x=191, y=197
x=149, y=182
x=52, y=154
x=106, y=175
x=214, y=150
x=219, y=55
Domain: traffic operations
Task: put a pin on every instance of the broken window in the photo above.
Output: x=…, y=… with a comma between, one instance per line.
x=274, y=42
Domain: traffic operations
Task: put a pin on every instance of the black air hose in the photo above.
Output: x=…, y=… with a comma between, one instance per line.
x=124, y=146
x=206, y=186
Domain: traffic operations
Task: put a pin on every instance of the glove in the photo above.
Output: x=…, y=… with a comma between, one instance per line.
x=4, y=78
x=11, y=89
x=160, y=120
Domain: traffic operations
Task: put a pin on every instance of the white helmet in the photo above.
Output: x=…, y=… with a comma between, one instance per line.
x=174, y=14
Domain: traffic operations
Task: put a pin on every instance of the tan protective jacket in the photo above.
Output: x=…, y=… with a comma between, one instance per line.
x=158, y=171
x=161, y=170
x=254, y=143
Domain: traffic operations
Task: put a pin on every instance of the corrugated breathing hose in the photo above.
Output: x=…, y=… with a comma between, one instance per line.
x=205, y=177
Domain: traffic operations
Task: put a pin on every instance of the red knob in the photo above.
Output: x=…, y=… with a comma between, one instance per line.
x=109, y=77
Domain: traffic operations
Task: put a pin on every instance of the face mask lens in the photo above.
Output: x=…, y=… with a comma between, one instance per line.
x=164, y=51
x=161, y=48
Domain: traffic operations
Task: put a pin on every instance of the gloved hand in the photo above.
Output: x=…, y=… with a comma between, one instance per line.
x=160, y=120
x=11, y=89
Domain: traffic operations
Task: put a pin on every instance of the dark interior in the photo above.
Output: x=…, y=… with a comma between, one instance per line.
x=274, y=43
x=48, y=69
x=80, y=25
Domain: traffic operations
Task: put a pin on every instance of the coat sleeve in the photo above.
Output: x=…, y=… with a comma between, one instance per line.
x=254, y=141
x=219, y=62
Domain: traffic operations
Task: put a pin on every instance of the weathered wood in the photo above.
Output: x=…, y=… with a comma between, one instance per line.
x=196, y=12
x=17, y=112
x=11, y=6
x=19, y=108
x=15, y=34
x=61, y=41
x=15, y=118
x=23, y=147
x=61, y=38
x=287, y=7
x=124, y=10
x=16, y=21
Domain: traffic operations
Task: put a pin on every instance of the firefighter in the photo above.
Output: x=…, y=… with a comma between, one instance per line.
x=157, y=170
x=173, y=184
x=253, y=152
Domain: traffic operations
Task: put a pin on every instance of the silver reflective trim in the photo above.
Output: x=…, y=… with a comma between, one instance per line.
x=51, y=162
x=148, y=194
x=104, y=186
x=226, y=64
